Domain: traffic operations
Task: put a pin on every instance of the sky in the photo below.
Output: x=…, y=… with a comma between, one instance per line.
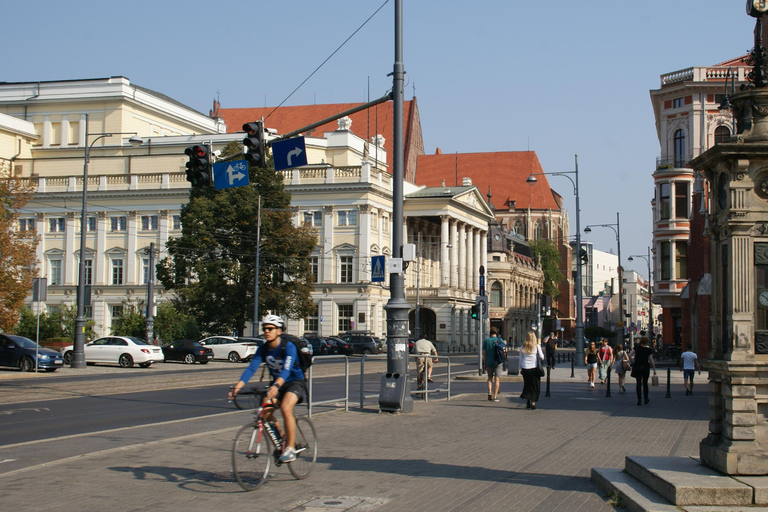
x=558, y=78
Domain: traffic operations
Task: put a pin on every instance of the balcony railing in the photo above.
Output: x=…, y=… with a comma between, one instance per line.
x=704, y=74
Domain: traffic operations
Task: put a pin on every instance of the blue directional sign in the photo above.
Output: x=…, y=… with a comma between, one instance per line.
x=230, y=174
x=289, y=153
x=378, y=265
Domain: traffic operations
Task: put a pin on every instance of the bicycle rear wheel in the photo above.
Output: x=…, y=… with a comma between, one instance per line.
x=306, y=449
x=251, y=457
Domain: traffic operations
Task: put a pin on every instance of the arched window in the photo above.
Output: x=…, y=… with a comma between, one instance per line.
x=537, y=230
x=679, y=148
x=496, y=298
x=519, y=227
x=722, y=134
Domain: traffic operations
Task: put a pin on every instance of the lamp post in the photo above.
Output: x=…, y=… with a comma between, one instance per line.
x=617, y=230
x=650, y=289
x=531, y=180
x=726, y=105
x=78, y=356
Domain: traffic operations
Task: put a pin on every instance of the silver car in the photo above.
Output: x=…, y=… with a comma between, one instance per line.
x=121, y=350
x=231, y=348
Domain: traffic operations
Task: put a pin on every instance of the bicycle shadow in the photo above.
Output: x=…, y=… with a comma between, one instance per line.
x=191, y=479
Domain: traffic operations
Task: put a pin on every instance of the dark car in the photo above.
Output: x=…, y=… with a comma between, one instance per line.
x=340, y=346
x=318, y=344
x=20, y=352
x=188, y=351
x=362, y=343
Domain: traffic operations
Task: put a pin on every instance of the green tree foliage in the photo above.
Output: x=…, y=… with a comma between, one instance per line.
x=18, y=262
x=131, y=322
x=550, y=265
x=171, y=324
x=595, y=333
x=211, y=265
x=59, y=324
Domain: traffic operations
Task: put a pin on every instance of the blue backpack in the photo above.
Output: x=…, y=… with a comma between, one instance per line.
x=501, y=354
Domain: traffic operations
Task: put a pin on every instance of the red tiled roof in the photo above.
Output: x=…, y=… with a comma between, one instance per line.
x=504, y=172
x=737, y=62
x=365, y=124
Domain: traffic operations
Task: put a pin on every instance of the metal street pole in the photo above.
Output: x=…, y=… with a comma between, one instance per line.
x=621, y=281
x=149, y=319
x=417, y=326
x=650, y=297
x=255, y=329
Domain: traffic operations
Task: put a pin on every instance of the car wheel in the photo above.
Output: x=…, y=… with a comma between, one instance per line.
x=67, y=357
x=189, y=359
x=125, y=361
x=26, y=364
x=366, y=351
x=145, y=365
x=234, y=357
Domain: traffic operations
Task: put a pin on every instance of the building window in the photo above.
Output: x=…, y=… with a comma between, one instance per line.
x=681, y=200
x=347, y=217
x=314, y=263
x=27, y=224
x=681, y=260
x=519, y=228
x=56, y=225
x=88, y=272
x=385, y=224
x=117, y=271
x=679, y=139
x=345, y=269
x=177, y=222
x=314, y=219
x=145, y=270
x=722, y=134
x=55, y=274
x=677, y=103
x=90, y=224
x=496, y=295
x=149, y=222
x=311, y=322
x=345, y=317
x=117, y=311
x=537, y=230
x=664, y=202
x=666, y=267
x=374, y=220
x=117, y=223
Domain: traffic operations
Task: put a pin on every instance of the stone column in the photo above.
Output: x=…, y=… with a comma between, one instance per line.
x=463, y=256
x=69, y=265
x=445, y=265
x=472, y=283
x=326, y=243
x=364, y=247
x=130, y=257
x=453, y=264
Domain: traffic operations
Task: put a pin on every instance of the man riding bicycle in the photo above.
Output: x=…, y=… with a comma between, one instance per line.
x=288, y=387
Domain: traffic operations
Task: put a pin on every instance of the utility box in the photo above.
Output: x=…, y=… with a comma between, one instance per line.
x=395, y=393
x=513, y=365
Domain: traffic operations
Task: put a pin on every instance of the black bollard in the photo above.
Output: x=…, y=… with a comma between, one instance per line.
x=572, y=374
x=669, y=376
x=548, y=370
x=608, y=383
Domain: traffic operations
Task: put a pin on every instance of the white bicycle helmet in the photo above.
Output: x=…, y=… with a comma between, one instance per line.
x=273, y=320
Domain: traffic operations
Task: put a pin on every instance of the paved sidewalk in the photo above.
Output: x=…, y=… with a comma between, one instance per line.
x=463, y=454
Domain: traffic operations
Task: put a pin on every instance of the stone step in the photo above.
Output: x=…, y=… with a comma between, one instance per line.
x=635, y=496
x=686, y=481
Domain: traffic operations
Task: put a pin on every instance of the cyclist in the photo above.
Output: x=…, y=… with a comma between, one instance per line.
x=288, y=387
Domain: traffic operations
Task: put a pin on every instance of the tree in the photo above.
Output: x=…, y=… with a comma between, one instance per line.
x=131, y=321
x=211, y=265
x=171, y=324
x=550, y=265
x=18, y=262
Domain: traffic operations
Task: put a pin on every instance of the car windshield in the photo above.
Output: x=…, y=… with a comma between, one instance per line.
x=23, y=342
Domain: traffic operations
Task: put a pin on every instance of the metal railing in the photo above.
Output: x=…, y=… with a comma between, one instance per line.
x=425, y=380
x=311, y=381
x=426, y=389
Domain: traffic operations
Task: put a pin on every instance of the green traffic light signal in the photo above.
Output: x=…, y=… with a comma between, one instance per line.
x=473, y=312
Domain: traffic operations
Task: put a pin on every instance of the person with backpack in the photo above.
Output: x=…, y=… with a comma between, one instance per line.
x=494, y=355
x=288, y=387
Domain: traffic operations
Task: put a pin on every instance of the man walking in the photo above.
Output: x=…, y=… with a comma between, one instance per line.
x=493, y=363
x=689, y=362
x=550, y=344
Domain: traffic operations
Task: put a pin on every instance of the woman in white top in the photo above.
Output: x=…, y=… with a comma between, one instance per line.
x=530, y=354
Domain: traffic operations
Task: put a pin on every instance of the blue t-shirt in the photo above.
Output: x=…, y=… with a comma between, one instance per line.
x=489, y=345
x=288, y=369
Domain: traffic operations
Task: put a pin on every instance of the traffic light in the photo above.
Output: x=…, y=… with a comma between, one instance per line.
x=254, y=142
x=473, y=312
x=584, y=256
x=199, y=166
x=546, y=305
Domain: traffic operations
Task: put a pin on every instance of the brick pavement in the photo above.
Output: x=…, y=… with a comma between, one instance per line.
x=465, y=454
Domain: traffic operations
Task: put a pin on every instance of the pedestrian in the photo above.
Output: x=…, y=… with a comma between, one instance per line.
x=493, y=359
x=605, y=355
x=530, y=357
x=591, y=360
x=620, y=365
x=641, y=368
x=424, y=347
x=689, y=362
x=550, y=345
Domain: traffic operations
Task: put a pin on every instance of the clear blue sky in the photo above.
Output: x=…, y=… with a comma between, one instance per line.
x=559, y=78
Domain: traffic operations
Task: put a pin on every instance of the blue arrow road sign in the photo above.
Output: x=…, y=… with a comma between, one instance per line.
x=377, y=269
x=289, y=153
x=230, y=174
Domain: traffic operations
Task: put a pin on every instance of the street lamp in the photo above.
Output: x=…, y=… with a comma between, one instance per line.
x=617, y=230
x=531, y=180
x=650, y=289
x=78, y=356
x=726, y=105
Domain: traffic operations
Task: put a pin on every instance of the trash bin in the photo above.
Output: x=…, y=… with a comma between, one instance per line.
x=395, y=393
x=513, y=365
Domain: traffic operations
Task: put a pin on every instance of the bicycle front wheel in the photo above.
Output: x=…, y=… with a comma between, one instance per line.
x=306, y=449
x=251, y=457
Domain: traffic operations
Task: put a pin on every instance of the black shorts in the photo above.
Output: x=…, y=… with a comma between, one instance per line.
x=297, y=387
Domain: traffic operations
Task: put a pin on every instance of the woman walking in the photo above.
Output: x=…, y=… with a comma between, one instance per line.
x=641, y=369
x=530, y=357
x=591, y=360
x=618, y=365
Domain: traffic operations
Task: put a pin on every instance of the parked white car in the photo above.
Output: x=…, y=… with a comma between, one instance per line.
x=231, y=348
x=122, y=350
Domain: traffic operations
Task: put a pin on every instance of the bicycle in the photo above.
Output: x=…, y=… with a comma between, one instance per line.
x=259, y=444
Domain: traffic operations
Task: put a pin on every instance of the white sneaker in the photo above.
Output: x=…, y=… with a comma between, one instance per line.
x=591, y=384
x=289, y=455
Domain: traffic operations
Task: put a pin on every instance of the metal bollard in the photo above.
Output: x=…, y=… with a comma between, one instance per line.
x=573, y=376
x=608, y=384
x=669, y=376
x=548, y=371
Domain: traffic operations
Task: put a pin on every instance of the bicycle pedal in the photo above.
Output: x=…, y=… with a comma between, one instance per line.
x=300, y=449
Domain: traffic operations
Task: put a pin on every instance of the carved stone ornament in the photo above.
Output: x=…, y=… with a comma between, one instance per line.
x=760, y=230
x=345, y=123
x=761, y=252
